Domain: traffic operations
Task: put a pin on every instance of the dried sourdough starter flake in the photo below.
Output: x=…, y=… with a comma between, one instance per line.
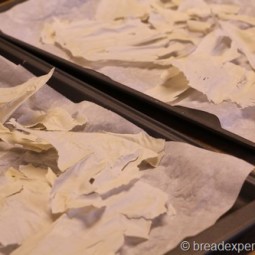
x=55, y=119
x=26, y=141
x=225, y=8
x=12, y=98
x=106, y=39
x=157, y=32
x=244, y=40
x=219, y=81
x=25, y=191
x=101, y=181
x=101, y=230
x=112, y=10
x=75, y=146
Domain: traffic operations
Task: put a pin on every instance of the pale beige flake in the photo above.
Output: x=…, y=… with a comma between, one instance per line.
x=102, y=230
x=183, y=36
x=50, y=176
x=218, y=46
x=55, y=119
x=164, y=19
x=121, y=173
x=118, y=155
x=12, y=98
x=219, y=81
x=166, y=4
x=199, y=26
x=78, y=234
x=169, y=90
x=102, y=171
x=72, y=147
x=140, y=201
x=148, y=142
x=102, y=38
x=243, y=39
x=24, y=140
x=198, y=8
x=28, y=198
x=135, y=54
x=243, y=18
x=112, y=10
x=33, y=173
x=225, y=8
x=8, y=190
x=48, y=34
x=137, y=227
x=74, y=183
x=124, y=40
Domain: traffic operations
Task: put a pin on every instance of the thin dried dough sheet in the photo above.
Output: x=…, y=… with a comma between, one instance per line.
x=12, y=98
x=225, y=8
x=23, y=140
x=26, y=193
x=243, y=18
x=112, y=10
x=125, y=41
x=197, y=8
x=102, y=230
x=243, y=39
x=55, y=119
x=216, y=45
x=199, y=26
x=169, y=90
x=102, y=38
x=219, y=81
x=75, y=146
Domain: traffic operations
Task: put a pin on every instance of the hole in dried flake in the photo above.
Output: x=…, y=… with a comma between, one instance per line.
x=91, y=180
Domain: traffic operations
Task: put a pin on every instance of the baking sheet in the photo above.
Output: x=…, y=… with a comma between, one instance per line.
x=17, y=22
x=202, y=185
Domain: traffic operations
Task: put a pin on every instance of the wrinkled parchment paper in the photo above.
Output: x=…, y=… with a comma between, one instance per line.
x=201, y=185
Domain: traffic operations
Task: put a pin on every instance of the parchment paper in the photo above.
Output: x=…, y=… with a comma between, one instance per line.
x=201, y=185
x=25, y=22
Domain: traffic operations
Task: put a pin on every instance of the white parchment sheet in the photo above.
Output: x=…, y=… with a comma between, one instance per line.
x=201, y=185
x=26, y=20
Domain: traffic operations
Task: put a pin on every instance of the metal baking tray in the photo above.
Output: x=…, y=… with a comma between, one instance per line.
x=7, y=4
x=203, y=126
x=238, y=220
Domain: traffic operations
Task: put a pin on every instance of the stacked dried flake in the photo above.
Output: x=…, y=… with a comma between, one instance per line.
x=208, y=47
x=74, y=192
